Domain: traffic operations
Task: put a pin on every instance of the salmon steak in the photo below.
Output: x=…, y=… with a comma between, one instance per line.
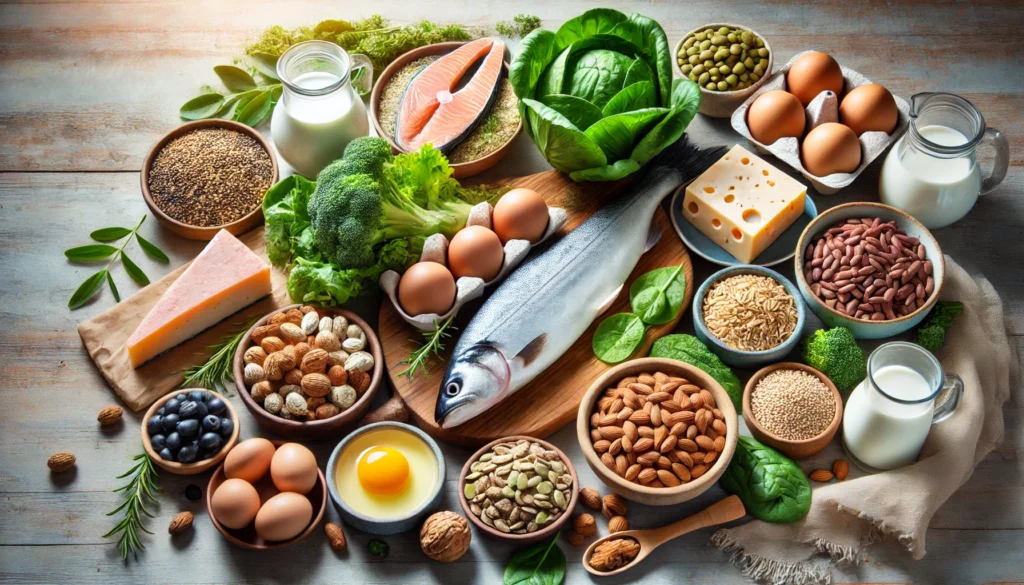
x=432, y=112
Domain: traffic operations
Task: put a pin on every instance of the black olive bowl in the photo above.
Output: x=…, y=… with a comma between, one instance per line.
x=199, y=465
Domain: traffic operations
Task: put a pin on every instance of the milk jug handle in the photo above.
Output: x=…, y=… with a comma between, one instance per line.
x=1001, y=162
x=362, y=77
x=948, y=398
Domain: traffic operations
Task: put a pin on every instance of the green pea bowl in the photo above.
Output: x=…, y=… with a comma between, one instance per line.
x=722, y=103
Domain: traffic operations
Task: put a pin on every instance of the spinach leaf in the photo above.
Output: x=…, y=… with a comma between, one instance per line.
x=612, y=172
x=772, y=487
x=234, y=78
x=658, y=295
x=579, y=111
x=565, y=147
x=689, y=349
x=540, y=564
x=685, y=101
x=617, y=337
x=633, y=97
x=641, y=71
x=536, y=52
x=616, y=135
x=655, y=44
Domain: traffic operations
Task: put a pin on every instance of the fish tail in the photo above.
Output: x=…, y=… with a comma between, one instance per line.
x=686, y=159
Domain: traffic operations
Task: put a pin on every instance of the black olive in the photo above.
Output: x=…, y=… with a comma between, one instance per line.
x=197, y=396
x=160, y=411
x=216, y=406
x=170, y=422
x=159, y=442
x=172, y=405
x=193, y=492
x=173, y=441
x=165, y=453
x=188, y=428
x=211, y=422
x=188, y=409
x=154, y=426
x=210, y=441
x=227, y=426
x=202, y=410
x=188, y=454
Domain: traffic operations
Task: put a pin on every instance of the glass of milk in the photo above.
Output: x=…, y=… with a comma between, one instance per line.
x=319, y=112
x=888, y=416
x=932, y=173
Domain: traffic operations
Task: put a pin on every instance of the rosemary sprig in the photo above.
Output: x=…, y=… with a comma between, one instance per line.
x=138, y=492
x=433, y=345
x=217, y=368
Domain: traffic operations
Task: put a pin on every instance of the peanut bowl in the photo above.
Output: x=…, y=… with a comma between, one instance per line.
x=229, y=437
x=673, y=471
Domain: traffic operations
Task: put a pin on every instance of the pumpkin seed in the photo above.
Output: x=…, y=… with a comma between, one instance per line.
x=470, y=491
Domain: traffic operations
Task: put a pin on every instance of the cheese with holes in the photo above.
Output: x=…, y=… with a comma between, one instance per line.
x=224, y=278
x=743, y=203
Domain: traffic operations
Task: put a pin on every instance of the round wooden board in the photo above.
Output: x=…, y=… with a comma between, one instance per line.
x=550, y=401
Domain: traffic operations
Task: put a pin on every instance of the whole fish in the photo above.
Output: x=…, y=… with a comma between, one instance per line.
x=543, y=307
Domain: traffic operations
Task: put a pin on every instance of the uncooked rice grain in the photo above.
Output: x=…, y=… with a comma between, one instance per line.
x=792, y=404
x=749, y=312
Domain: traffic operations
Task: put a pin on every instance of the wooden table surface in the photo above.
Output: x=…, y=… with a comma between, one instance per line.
x=87, y=87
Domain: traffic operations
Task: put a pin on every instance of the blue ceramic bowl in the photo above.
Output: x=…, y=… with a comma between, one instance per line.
x=386, y=526
x=870, y=329
x=739, y=358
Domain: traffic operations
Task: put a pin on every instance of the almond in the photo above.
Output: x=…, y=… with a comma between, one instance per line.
x=668, y=444
x=698, y=470
x=335, y=536
x=613, y=505
x=611, y=433
x=687, y=445
x=647, y=475
x=821, y=475
x=271, y=343
x=359, y=380
x=632, y=472
x=61, y=461
x=292, y=333
x=649, y=458
x=277, y=319
x=668, y=478
x=316, y=385
x=314, y=362
x=642, y=445
x=180, y=523
x=681, y=471
x=575, y=538
x=618, y=524
x=338, y=376
x=262, y=332
x=591, y=498
x=293, y=377
x=841, y=469
x=705, y=443
x=585, y=524
x=109, y=415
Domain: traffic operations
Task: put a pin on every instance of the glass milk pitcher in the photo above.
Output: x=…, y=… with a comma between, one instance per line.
x=932, y=172
x=319, y=112
x=888, y=416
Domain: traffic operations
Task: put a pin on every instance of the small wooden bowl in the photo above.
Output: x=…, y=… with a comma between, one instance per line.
x=656, y=496
x=318, y=429
x=532, y=537
x=460, y=170
x=793, y=449
x=193, y=232
x=247, y=537
x=721, y=104
x=198, y=466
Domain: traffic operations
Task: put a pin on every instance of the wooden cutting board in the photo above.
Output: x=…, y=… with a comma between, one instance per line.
x=550, y=401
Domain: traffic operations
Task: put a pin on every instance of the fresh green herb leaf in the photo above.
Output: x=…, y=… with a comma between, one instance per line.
x=255, y=111
x=772, y=487
x=134, y=271
x=139, y=492
x=217, y=368
x=617, y=337
x=87, y=289
x=90, y=253
x=657, y=296
x=113, y=288
x=433, y=345
x=100, y=251
x=266, y=64
x=152, y=250
x=111, y=234
x=235, y=79
x=540, y=564
x=207, y=105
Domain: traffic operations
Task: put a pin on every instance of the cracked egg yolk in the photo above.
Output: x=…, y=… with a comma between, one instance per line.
x=383, y=471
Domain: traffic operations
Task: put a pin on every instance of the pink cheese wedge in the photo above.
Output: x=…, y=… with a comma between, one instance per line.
x=224, y=278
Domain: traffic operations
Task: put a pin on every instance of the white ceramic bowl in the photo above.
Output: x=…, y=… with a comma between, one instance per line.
x=721, y=104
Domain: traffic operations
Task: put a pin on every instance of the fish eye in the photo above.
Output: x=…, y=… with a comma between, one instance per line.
x=452, y=389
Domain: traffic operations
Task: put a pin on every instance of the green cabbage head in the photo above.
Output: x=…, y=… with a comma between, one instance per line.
x=597, y=97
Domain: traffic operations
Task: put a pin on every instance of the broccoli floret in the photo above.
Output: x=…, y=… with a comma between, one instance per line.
x=835, y=352
x=367, y=155
x=932, y=335
x=931, y=338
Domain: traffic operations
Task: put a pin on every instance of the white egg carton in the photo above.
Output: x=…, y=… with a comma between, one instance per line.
x=824, y=108
x=467, y=288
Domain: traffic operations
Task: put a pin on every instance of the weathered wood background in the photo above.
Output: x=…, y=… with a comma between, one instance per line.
x=86, y=88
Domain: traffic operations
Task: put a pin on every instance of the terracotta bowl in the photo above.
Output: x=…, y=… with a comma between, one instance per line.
x=721, y=104
x=532, y=537
x=657, y=496
x=795, y=449
x=192, y=232
x=460, y=170
x=198, y=466
x=319, y=429
x=247, y=537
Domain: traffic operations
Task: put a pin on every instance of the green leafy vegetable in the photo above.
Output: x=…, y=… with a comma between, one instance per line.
x=217, y=368
x=689, y=349
x=87, y=289
x=617, y=337
x=111, y=234
x=134, y=271
x=772, y=487
x=520, y=26
x=90, y=253
x=597, y=97
x=138, y=493
x=151, y=250
x=206, y=105
x=932, y=335
x=235, y=79
x=433, y=345
x=657, y=296
x=835, y=352
x=540, y=564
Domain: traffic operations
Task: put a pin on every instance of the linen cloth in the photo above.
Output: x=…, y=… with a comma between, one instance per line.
x=895, y=506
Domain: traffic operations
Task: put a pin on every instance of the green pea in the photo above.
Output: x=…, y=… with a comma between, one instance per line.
x=758, y=69
x=719, y=39
x=700, y=36
x=692, y=76
x=754, y=77
x=744, y=46
x=698, y=69
x=724, y=69
x=731, y=80
x=692, y=51
x=763, y=63
x=686, y=69
x=723, y=30
x=732, y=60
x=715, y=76
x=759, y=42
x=735, y=49
x=704, y=77
x=709, y=32
x=745, y=77
x=762, y=52
x=711, y=85
x=722, y=86
x=743, y=56
x=741, y=85
x=739, y=68
x=689, y=42
x=721, y=54
x=705, y=45
x=731, y=36
x=749, y=63
x=693, y=60
x=706, y=55
x=747, y=36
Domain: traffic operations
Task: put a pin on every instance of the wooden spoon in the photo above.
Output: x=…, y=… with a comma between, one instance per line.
x=720, y=512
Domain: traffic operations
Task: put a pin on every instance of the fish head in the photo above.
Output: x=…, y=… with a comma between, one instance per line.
x=476, y=379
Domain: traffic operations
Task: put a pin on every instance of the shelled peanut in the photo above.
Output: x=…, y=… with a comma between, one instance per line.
x=303, y=366
x=657, y=430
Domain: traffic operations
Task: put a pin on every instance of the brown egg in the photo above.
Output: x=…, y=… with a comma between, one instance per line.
x=475, y=251
x=235, y=503
x=869, y=107
x=812, y=74
x=775, y=114
x=426, y=287
x=284, y=516
x=830, y=148
x=249, y=460
x=520, y=214
x=294, y=468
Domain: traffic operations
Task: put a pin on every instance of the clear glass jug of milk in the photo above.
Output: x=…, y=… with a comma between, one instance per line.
x=888, y=416
x=319, y=112
x=932, y=172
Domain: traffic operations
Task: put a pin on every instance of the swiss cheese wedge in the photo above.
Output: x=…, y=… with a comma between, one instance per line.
x=224, y=278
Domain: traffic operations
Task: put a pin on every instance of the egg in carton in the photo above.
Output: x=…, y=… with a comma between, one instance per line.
x=822, y=109
x=467, y=288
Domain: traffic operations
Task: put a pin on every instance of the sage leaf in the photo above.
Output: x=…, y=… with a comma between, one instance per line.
x=540, y=564
x=617, y=337
x=657, y=296
x=201, y=107
x=151, y=250
x=90, y=252
x=111, y=234
x=255, y=111
x=113, y=287
x=87, y=290
x=266, y=64
x=234, y=78
x=134, y=271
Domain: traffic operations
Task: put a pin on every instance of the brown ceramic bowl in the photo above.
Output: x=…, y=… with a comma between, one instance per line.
x=721, y=104
x=794, y=449
x=657, y=496
x=193, y=232
x=247, y=537
x=531, y=537
x=198, y=466
x=319, y=429
x=460, y=170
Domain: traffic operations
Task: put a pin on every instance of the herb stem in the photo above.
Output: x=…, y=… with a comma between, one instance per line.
x=128, y=238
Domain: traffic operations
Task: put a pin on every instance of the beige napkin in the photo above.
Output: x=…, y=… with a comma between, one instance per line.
x=895, y=506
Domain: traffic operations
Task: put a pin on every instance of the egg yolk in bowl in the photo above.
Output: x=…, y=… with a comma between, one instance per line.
x=383, y=470
x=386, y=473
